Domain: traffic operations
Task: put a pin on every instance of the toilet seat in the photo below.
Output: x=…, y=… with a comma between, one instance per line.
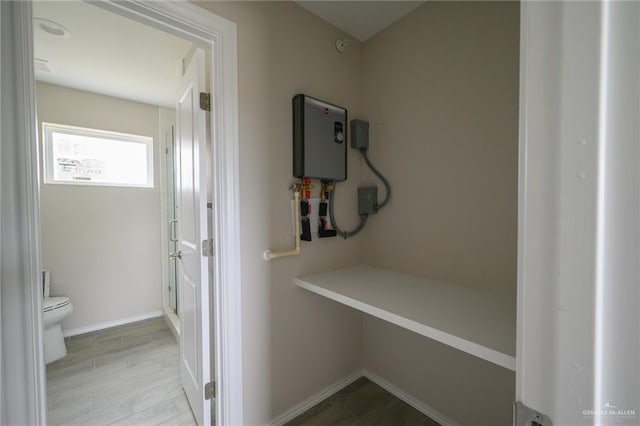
x=52, y=303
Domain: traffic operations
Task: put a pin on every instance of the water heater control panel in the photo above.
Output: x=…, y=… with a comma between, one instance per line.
x=319, y=139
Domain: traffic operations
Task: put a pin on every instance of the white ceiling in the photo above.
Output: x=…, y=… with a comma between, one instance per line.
x=108, y=54
x=116, y=56
x=360, y=19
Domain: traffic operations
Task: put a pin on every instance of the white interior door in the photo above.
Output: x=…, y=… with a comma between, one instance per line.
x=191, y=194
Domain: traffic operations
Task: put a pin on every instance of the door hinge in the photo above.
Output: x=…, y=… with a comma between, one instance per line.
x=525, y=416
x=205, y=101
x=210, y=390
x=207, y=247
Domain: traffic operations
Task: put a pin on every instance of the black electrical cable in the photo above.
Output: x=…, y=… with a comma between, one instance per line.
x=340, y=232
x=387, y=186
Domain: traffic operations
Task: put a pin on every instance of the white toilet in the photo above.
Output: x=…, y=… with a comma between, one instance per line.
x=56, y=309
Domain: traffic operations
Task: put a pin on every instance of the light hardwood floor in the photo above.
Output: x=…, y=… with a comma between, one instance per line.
x=127, y=375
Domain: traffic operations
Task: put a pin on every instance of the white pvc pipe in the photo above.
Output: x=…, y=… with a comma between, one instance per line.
x=268, y=254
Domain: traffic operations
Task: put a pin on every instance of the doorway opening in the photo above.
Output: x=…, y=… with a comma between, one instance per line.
x=113, y=248
x=24, y=319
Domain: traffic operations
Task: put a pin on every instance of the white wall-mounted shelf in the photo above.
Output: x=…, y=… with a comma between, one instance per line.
x=472, y=320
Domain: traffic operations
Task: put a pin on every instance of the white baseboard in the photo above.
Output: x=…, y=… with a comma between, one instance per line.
x=109, y=324
x=418, y=405
x=173, y=322
x=341, y=384
x=315, y=399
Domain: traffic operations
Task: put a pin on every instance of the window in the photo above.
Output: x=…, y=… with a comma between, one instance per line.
x=80, y=156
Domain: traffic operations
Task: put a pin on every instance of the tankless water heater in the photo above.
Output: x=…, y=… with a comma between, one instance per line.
x=319, y=139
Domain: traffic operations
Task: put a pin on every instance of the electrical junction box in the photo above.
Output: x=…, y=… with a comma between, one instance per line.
x=359, y=134
x=367, y=200
x=319, y=139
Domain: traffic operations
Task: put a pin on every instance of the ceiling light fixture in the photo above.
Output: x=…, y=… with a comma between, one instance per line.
x=52, y=27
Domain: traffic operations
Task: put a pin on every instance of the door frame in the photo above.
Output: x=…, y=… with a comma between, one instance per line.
x=578, y=228
x=23, y=392
x=218, y=34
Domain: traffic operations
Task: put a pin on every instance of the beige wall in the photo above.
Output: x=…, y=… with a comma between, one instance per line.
x=295, y=343
x=102, y=244
x=440, y=90
x=458, y=385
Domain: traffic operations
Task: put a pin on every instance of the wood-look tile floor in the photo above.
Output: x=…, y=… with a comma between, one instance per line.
x=362, y=403
x=126, y=375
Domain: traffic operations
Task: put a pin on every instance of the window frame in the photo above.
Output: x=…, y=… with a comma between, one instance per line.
x=47, y=143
